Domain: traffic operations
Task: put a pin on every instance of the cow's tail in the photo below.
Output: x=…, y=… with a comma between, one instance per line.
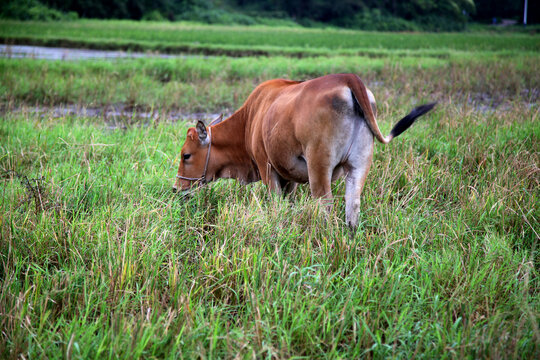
x=361, y=97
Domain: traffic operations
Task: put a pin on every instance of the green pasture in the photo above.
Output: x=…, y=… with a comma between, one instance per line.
x=221, y=84
x=257, y=40
x=99, y=259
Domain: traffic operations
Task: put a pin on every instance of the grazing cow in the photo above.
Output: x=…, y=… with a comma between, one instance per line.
x=290, y=132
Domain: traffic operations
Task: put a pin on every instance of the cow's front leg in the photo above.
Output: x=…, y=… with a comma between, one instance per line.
x=289, y=188
x=274, y=180
x=270, y=177
x=276, y=183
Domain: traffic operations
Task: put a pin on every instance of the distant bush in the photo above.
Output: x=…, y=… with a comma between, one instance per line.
x=42, y=13
x=33, y=10
x=71, y=16
x=269, y=21
x=440, y=23
x=375, y=20
x=310, y=23
x=211, y=15
x=216, y=16
x=153, y=15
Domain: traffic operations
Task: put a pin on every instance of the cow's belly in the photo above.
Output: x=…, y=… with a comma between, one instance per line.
x=292, y=167
x=296, y=170
x=287, y=156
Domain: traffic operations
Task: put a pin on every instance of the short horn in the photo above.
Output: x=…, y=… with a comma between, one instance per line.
x=217, y=120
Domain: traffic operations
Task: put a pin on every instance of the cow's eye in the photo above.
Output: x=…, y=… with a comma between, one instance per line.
x=187, y=156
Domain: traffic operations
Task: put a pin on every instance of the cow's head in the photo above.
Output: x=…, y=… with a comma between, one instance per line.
x=194, y=158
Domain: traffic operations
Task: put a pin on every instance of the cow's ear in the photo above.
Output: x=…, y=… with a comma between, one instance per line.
x=201, y=130
x=191, y=133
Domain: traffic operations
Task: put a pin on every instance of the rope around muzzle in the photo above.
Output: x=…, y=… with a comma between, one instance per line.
x=203, y=177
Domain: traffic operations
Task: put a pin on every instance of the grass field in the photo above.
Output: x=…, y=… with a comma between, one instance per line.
x=99, y=259
x=243, y=40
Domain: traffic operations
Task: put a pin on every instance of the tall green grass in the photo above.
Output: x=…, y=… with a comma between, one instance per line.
x=100, y=259
x=222, y=84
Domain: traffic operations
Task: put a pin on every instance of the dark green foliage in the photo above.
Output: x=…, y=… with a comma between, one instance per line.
x=375, y=20
x=129, y=9
x=487, y=10
x=387, y=15
x=33, y=10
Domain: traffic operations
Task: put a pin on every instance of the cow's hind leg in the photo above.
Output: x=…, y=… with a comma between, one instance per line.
x=354, y=184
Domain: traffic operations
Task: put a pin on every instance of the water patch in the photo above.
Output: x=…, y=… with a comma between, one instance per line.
x=57, y=53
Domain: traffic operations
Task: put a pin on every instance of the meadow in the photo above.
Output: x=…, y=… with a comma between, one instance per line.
x=99, y=259
x=258, y=40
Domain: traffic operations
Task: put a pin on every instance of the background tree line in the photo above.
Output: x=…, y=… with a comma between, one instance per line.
x=361, y=14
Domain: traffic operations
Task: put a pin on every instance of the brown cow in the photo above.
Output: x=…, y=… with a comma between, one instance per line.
x=290, y=132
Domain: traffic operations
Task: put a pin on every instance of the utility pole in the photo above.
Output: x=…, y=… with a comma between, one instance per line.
x=525, y=14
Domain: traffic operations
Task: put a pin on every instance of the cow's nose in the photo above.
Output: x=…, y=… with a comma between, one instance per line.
x=173, y=189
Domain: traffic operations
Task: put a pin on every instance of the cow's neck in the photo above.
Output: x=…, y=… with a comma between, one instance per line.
x=229, y=146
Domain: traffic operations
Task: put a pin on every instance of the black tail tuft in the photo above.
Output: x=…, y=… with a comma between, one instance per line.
x=408, y=120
